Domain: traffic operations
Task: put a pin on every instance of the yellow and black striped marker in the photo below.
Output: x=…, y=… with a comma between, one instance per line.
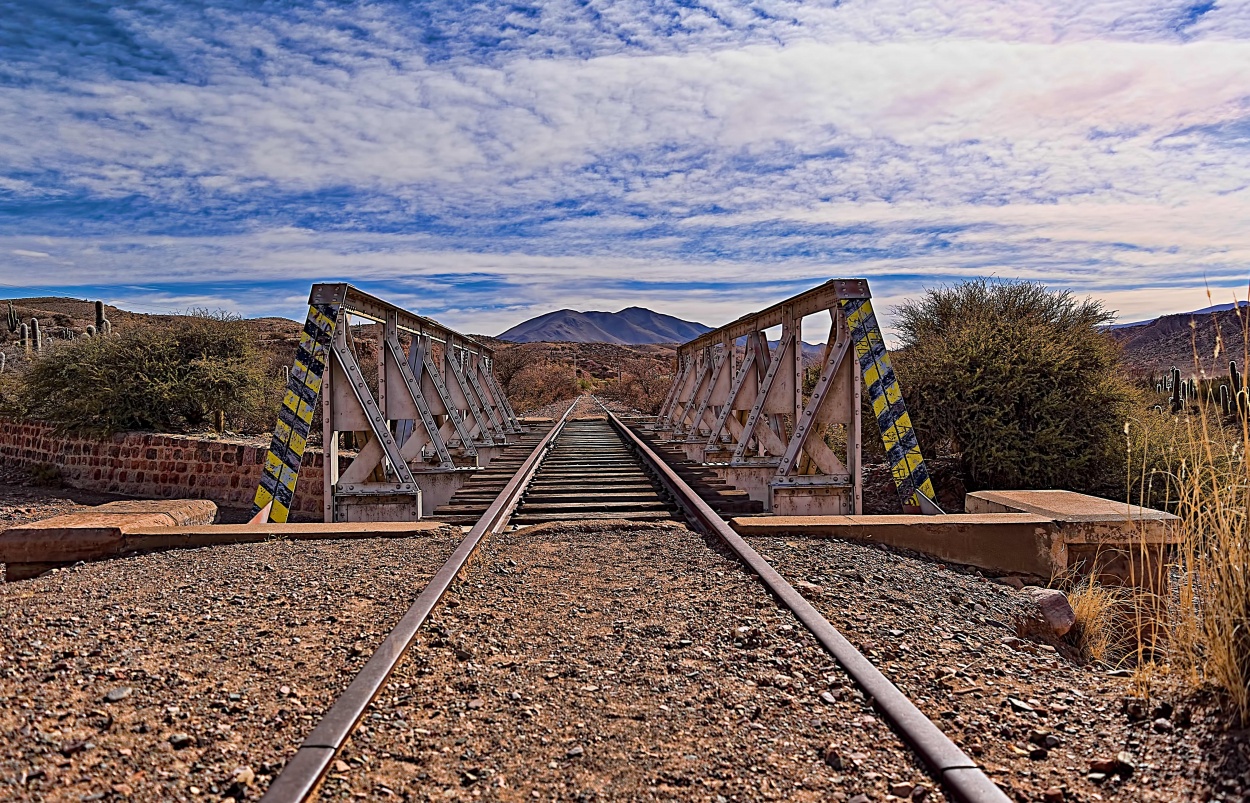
x=911, y=477
x=290, y=434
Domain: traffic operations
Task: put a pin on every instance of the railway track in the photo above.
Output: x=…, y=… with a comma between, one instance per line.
x=591, y=474
x=598, y=468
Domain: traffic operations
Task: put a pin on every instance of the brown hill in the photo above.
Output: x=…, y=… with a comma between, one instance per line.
x=1187, y=341
x=59, y=317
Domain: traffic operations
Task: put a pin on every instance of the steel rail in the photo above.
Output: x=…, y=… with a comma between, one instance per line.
x=958, y=773
x=300, y=779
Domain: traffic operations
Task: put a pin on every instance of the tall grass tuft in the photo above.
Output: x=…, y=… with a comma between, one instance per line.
x=1194, y=464
x=1101, y=628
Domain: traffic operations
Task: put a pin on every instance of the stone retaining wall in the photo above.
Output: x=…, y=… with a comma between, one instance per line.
x=155, y=466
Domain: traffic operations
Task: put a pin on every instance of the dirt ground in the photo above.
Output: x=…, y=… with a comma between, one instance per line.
x=571, y=663
x=24, y=497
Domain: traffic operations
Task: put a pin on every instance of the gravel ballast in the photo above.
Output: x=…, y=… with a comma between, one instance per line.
x=619, y=662
x=190, y=674
x=1043, y=724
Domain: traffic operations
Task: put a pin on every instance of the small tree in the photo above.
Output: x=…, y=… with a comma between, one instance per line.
x=1021, y=381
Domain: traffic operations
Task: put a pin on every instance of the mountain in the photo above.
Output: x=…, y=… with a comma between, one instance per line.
x=1178, y=340
x=1204, y=311
x=632, y=326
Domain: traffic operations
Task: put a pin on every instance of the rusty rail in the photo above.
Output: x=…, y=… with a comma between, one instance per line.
x=957, y=772
x=302, y=776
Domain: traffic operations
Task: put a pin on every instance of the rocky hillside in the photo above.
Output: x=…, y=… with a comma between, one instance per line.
x=1185, y=341
x=60, y=317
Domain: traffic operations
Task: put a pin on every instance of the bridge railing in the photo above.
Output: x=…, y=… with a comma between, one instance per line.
x=738, y=404
x=436, y=412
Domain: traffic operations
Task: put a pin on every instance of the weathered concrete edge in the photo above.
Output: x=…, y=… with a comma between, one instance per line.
x=1002, y=543
x=99, y=531
x=32, y=557
x=175, y=537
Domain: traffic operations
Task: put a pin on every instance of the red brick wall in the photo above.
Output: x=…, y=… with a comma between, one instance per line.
x=156, y=466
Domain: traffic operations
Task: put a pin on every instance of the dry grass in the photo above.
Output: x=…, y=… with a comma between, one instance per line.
x=1194, y=464
x=1103, y=617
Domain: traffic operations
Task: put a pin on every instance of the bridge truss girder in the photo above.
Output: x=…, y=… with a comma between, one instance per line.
x=738, y=405
x=437, y=409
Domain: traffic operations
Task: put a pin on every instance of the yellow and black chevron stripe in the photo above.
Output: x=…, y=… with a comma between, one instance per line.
x=911, y=477
x=290, y=434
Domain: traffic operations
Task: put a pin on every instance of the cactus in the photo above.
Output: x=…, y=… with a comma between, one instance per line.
x=99, y=315
x=3, y=360
x=1234, y=375
x=13, y=320
x=1174, y=382
x=1243, y=402
x=90, y=330
x=106, y=328
x=1225, y=405
x=24, y=338
x=35, y=336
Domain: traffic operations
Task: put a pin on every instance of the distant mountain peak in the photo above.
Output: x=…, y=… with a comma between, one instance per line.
x=1204, y=311
x=631, y=326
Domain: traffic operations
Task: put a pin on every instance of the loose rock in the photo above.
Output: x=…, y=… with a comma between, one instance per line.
x=1055, y=608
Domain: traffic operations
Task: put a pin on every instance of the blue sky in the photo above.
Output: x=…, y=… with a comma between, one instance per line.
x=483, y=162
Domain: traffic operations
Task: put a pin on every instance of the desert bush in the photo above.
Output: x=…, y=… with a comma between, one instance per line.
x=167, y=376
x=641, y=384
x=510, y=359
x=1021, y=381
x=540, y=383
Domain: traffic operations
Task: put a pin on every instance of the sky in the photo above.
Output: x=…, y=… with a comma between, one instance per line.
x=483, y=162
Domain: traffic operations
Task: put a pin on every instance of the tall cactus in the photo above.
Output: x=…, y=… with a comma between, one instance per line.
x=13, y=321
x=1225, y=403
x=3, y=359
x=1235, y=376
x=24, y=338
x=102, y=325
x=1174, y=380
x=35, y=336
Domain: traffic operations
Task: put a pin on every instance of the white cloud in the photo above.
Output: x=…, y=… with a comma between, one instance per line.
x=1082, y=144
x=966, y=118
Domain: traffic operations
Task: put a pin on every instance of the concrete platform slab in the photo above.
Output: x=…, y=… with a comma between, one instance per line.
x=1083, y=518
x=99, y=531
x=1041, y=533
x=123, y=528
x=1001, y=543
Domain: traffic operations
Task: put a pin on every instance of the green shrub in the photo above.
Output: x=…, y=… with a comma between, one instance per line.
x=1019, y=380
x=166, y=376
